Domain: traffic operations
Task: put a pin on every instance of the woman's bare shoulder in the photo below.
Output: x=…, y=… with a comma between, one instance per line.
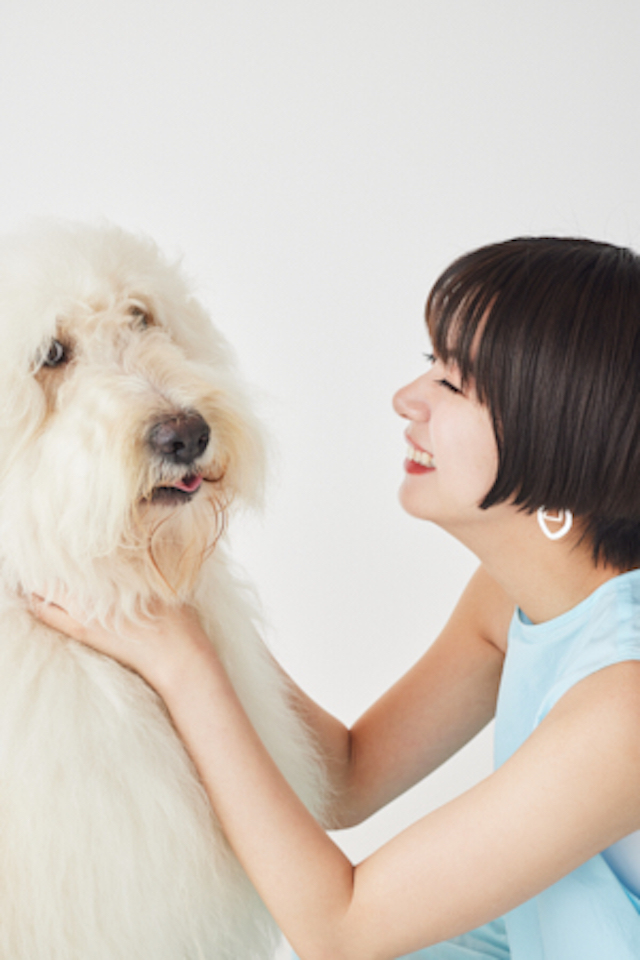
x=487, y=607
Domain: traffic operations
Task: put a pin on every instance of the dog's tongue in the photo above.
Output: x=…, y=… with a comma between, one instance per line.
x=188, y=484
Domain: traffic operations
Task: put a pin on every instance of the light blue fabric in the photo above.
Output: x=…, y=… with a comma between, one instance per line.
x=590, y=914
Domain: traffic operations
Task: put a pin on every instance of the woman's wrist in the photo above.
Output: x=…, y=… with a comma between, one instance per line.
x=172, y=678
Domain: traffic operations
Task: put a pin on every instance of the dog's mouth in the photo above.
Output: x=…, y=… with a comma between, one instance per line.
x=180, y=491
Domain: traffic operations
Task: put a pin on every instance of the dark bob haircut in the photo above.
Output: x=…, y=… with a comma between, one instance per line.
x=547, y=330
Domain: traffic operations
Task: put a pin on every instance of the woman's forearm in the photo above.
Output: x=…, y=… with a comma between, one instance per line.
x=335, y=746
x=303, y=877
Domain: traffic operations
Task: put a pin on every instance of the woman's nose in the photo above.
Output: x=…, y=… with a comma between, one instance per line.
x=411, y=402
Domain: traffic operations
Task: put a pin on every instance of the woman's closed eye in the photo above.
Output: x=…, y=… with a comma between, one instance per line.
x=431, y=360
x=449, y=385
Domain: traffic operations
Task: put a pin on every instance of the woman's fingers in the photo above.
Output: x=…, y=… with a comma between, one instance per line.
x=154, y=646
x=55, y=616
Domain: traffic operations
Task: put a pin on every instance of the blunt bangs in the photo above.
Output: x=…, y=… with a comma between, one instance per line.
x=547, y=330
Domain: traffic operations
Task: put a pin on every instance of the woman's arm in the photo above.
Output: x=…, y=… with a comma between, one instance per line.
x=446, y=698
x=440, y=704
x=570, y=791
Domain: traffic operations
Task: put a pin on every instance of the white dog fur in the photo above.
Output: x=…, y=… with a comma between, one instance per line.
x=108, y=847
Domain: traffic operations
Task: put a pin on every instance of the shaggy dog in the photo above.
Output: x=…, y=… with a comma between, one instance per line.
x=125, y=434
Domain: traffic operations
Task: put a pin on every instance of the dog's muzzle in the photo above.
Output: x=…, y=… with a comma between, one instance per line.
x=179, y=439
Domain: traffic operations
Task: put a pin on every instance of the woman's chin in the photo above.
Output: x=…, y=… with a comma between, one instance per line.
x=413, y=504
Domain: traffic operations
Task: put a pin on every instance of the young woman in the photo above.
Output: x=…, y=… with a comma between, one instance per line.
x=524, y=443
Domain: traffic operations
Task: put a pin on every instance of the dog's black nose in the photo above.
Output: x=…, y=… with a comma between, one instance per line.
x=180, y=439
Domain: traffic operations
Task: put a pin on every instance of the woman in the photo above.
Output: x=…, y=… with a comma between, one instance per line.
x=524, y=443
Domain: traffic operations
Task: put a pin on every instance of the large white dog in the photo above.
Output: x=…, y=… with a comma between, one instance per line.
x=125, y=435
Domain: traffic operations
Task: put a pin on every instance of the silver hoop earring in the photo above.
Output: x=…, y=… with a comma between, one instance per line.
x=564, y=517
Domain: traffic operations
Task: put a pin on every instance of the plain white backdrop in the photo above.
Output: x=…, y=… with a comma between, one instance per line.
x=318, y=163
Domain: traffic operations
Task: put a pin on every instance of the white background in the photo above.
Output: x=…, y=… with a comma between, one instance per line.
x=318, y=164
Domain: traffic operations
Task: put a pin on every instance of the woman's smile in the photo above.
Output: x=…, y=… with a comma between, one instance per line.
x=417, y=459
x=450, y=439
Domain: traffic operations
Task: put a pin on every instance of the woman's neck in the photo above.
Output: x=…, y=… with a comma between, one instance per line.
x=544, y=578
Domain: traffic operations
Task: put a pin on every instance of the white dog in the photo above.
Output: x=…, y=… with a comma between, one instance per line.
x=125, y=435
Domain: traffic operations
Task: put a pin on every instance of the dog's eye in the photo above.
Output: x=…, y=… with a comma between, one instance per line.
x=56, y=355
x=141, y=316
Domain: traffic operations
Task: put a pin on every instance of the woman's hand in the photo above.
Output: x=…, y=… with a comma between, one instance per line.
x=155, y=646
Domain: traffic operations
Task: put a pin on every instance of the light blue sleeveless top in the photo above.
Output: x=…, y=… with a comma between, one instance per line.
x=594, y=912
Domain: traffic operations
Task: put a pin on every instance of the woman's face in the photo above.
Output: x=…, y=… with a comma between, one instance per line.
x=452, y=458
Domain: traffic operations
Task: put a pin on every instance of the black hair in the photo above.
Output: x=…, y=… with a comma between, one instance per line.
x=547, y=330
